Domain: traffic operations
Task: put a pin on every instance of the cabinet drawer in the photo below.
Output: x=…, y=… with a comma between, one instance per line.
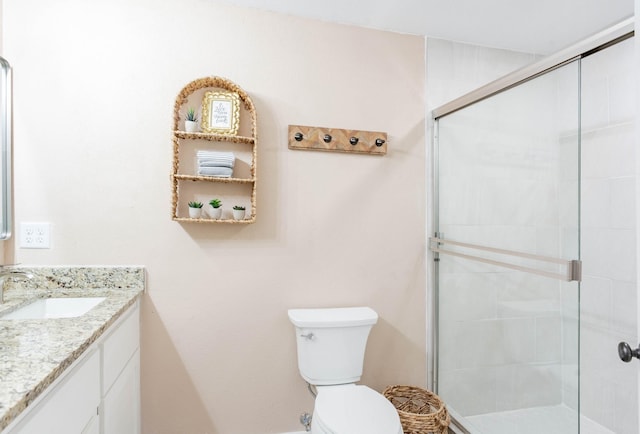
x=118, y=348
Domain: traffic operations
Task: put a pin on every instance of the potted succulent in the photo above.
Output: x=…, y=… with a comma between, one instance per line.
x=216, y=208
x=195, y=210
x=191, y=121
x=238, y=212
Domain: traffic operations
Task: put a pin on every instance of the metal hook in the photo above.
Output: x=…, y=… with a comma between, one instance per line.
x=327, y=138
x=298, y=137
x=353, y=140
x=379, y=142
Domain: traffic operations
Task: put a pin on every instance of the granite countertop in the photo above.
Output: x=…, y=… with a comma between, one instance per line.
x=33, y=353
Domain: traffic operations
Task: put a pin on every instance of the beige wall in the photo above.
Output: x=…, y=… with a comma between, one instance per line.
x=94, y=90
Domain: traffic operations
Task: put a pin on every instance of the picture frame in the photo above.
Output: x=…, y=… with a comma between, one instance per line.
x=220, y=112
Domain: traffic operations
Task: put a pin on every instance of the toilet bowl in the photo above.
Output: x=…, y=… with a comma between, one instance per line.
x=331, y=346
x=353, y=409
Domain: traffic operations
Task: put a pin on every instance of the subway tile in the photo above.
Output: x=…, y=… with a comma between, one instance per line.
x=596, y=302
x=624, y=316
x=596, y=203
x=623, y=203
x=548, y=340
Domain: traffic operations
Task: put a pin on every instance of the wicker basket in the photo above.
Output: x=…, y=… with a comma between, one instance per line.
x=421, y=411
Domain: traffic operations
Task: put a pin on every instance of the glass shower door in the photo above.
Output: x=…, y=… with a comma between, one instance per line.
x=507, y=222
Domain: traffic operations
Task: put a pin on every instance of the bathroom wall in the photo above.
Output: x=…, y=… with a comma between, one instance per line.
x=94, y=89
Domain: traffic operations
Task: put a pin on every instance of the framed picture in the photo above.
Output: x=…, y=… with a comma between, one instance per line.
x=221, y=112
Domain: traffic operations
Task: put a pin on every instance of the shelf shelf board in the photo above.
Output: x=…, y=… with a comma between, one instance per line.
x=215, y=137
x=201, y=220
x=214, y=179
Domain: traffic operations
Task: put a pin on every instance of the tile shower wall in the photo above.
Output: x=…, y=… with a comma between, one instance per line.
x=500, y=184
x=454, y=69
x=608, y=293
x=609, y=236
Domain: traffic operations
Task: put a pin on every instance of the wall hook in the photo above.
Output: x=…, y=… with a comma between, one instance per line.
x=336, y=140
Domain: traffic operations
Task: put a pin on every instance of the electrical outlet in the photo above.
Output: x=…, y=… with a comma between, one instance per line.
x=35, y=235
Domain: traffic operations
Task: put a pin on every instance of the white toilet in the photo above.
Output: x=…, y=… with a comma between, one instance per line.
x=331, y=347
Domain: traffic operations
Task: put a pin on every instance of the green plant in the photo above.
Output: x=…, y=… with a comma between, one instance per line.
x=239, y=208
x=195, y=204
x=192, y=115
x=216, y=203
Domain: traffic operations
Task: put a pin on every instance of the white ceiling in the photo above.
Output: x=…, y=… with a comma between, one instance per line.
x=536, y=26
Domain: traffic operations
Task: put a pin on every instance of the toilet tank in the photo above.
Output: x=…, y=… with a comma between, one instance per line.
x=331, y=343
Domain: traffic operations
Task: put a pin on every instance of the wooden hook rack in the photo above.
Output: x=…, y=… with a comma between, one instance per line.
x=337, y=140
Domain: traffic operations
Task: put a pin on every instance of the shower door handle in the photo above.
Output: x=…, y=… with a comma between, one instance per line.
x=626, y=353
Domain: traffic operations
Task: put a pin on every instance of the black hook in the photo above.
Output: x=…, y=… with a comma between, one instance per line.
x=625, y=352
x=327, y=138
x=298, y=137
x=353, y=140
x=379, y=142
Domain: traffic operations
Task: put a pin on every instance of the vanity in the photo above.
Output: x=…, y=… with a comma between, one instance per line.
x=72, y=374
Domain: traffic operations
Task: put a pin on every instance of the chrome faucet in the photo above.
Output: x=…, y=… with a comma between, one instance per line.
x=6, y=273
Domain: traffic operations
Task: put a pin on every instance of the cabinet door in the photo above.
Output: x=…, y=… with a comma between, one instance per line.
x=93, y=427
x=69, y=405
x=121, y=405
x=119, y=346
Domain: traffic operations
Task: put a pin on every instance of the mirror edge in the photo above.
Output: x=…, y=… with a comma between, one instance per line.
x=6, y=147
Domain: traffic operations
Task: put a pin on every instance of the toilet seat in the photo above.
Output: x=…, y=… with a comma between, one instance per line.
x=353, y=409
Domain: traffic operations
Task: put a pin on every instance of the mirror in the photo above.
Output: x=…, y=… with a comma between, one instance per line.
x=6, y=136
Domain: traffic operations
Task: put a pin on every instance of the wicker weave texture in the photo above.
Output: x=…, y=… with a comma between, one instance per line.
x=180, y=102
x=421, y=411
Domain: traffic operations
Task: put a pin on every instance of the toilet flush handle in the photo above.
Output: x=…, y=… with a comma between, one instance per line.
x=309, y=336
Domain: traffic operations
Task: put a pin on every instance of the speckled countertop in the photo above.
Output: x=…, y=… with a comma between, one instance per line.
x=33, y=353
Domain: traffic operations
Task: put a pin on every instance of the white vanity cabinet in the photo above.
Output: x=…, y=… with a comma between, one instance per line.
x=70, y=404
x=98, y=394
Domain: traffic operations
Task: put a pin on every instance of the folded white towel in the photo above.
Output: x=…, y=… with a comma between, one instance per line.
x=215, y=154
x=210, y=163
x=215, y=159
x=219, y=172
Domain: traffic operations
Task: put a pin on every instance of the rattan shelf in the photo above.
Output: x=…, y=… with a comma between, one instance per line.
x=190, y=220
x=215, y=137
x=214, y=179
x=180, y=137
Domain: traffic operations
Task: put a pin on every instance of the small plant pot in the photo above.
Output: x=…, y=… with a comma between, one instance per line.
x=238, y=214
x=215, y=213
x=191, y=126
x=195, y=213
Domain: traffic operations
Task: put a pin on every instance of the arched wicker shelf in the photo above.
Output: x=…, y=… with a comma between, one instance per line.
x=181, y=137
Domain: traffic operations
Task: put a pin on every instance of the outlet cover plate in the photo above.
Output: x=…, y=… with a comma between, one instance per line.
x=35, y=235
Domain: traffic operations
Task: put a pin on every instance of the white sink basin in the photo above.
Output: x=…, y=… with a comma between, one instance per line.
x=44, y=308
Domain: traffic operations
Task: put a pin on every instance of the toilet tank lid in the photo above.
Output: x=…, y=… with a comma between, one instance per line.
x=333, y=317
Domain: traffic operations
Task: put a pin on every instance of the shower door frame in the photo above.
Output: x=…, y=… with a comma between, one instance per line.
x=590, y=45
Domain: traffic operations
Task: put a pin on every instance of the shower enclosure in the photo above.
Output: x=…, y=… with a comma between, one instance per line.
x=535, y=246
